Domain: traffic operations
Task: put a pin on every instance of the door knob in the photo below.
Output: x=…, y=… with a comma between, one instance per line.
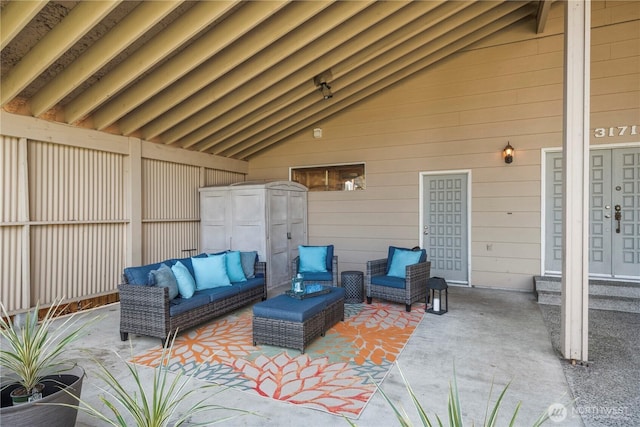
x=426, y=229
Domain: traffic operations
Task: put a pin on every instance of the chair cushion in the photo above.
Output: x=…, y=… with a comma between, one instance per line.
x=186, y=284
x=313, y=259
x=248, y=261
x=392, y=250
x=390, y=281
x=163, y=277
x=234, y=267
x=401, y=259
x=210, y=272
x=284, y=307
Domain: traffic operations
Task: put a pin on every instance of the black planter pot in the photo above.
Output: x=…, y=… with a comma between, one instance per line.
x=39, y=414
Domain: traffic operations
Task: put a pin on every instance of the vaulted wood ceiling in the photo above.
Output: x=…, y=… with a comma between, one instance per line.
x=230, y=78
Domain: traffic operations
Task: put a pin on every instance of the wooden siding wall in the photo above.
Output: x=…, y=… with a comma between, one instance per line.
x=459, y=115
x=70, y=220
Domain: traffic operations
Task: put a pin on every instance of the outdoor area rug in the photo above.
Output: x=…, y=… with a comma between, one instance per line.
x=337, y=373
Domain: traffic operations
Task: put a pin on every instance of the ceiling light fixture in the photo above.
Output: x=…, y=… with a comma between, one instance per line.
x=325, y=90
x=320, y=81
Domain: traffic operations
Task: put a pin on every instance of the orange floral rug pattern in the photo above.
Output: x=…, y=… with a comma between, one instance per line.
x=337, y=373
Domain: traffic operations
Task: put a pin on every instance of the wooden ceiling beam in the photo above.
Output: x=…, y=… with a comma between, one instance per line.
x=217, y=65
x=391, y=48
x=15, y=16
x=80, y=19
x=134, y=25
x=226, y=32
x=278, y=81
x=171, y=38
x=543, y=13
x=194, y=89
x=382, y=78
x=277, y=71
x=408, y=21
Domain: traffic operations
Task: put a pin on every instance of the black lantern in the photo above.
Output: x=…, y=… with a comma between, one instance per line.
x=435, y=286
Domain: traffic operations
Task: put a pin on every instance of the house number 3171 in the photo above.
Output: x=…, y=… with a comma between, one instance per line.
x=615, y=131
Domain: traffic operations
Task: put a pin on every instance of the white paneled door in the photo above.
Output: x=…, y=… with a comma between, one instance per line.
x=445, y=225
x=614, y=213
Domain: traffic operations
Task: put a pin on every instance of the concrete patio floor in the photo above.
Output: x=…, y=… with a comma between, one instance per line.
x=490, y=336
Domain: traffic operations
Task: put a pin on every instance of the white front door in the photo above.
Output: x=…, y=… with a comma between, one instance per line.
x=614, y=213
x=445, y=225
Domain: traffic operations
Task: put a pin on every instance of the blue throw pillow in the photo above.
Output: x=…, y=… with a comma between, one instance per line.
x=248, y=260
x=401, y=259
x=210, y=272
x=164, y=278
x=313, y=259
x=234, y=267
x=186, y=284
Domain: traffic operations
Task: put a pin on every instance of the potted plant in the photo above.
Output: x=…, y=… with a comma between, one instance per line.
x=34, y=369
x=162, y=401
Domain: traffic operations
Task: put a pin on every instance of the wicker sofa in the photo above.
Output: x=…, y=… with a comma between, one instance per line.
x=146, y=309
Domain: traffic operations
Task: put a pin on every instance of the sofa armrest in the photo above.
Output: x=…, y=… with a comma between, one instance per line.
x=417, y=274
x=144, y=310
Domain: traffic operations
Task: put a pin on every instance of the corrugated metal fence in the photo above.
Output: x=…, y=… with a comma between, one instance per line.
x=65, y=213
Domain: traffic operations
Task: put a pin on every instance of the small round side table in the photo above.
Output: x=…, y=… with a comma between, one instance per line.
x=353, y=284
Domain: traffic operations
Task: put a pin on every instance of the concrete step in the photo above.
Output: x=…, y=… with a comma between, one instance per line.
x=603, y=294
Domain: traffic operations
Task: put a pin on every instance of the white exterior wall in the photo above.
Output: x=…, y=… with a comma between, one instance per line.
x=77, y=206
x=459, y=115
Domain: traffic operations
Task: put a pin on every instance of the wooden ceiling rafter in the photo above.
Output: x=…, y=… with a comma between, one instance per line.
x=229, y=78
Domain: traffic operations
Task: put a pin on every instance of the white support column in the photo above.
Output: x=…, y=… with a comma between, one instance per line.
x=134, y=178
x=575, y=265
x=26, y=289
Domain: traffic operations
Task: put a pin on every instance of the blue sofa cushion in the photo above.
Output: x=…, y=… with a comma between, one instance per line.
x=222, y=292
x=182, y=305
x=233, y=261
x=140, y=275
x=392, y=282
x=248, y=261
x=186, y=283
x=249, y=283
x=164, y=278
x=210, y=272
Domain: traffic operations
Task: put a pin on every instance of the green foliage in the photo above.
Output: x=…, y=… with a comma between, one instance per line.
x=454, y=408
x=157, y=404
x=35, y=350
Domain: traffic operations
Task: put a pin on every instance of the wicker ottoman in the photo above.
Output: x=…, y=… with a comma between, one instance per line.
x=353, y=284
x=285, y=321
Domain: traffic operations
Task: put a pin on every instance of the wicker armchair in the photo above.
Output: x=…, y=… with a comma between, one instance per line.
x=415, y=283
x=328, y=278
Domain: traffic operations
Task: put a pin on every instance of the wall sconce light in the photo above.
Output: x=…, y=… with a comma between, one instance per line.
x=321, y=83
x=508, y=153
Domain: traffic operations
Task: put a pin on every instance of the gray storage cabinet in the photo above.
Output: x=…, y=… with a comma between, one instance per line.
x=270, y=218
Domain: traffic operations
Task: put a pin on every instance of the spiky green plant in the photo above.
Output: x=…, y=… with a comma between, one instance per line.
x=34, y=350
x=159, y=403
x=454, y=408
